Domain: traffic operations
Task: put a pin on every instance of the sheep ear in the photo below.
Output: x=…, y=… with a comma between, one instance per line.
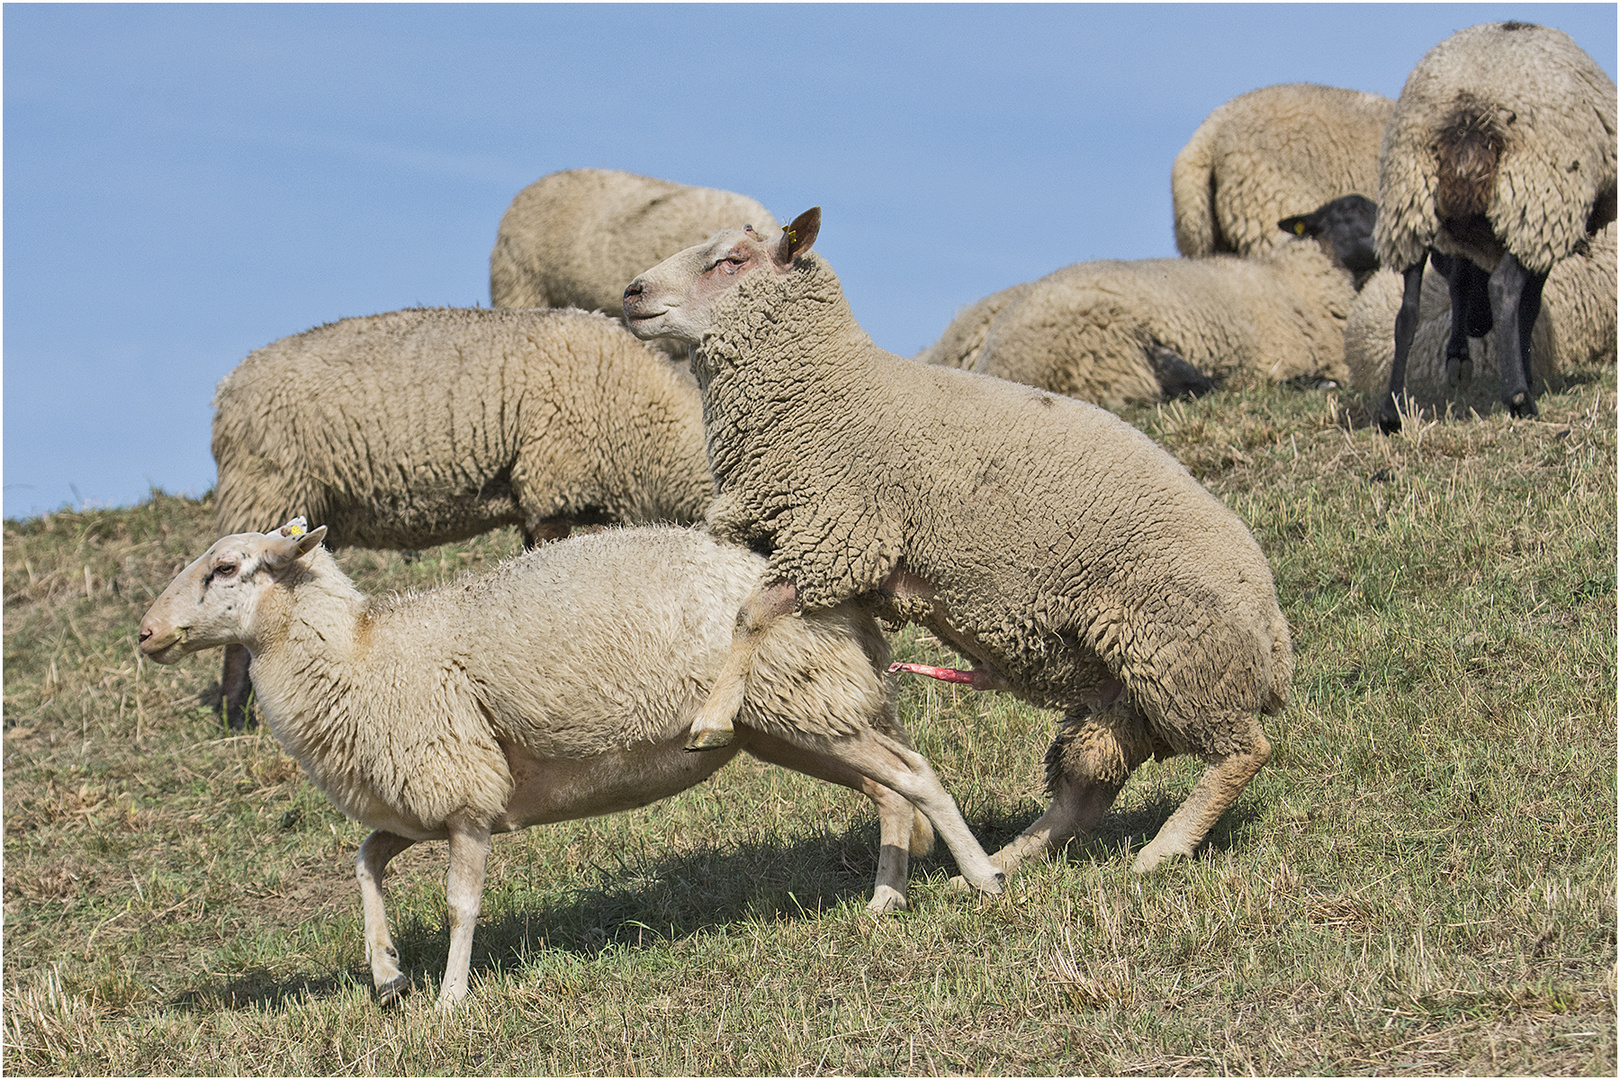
x=798, y=236
x=1299, y=226
x=281, y=549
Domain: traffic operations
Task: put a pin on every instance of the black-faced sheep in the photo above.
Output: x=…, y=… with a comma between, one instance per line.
x=1500, y=155
x=1270, y=153
x=1112, y=332
x=576, y=238
x=1075, y=562
x=430, y=425
x=558, y=686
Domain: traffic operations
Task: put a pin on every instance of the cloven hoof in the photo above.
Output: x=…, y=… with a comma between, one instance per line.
x=709, y=739
x=390, y=992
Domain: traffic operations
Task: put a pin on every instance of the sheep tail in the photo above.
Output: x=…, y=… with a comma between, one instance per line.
x=1468, y=149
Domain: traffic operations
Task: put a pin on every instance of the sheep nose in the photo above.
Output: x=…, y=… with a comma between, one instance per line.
x=634, y=289
x=146, y=632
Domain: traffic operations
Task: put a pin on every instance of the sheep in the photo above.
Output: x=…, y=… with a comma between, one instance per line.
x=1501, y=155
x=429, y=425
x=1269, y=153
x=557, y=686
x=1576, y=327
x=576, y=238
x=1076, y=563
x=1112, y=332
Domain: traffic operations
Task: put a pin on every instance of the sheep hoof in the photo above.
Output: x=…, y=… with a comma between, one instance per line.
x=390, y=992
x=709, y=739
x=885, y=900
x=1389, y=421
x=1459, y=371
x=1522, y=405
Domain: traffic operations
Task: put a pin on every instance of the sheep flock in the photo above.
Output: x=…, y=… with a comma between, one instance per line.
x=678, y=375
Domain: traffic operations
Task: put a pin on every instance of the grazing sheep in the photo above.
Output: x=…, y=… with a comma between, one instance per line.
x=421, y=427
x=556, y=687
x=1075, y=562
x=1576, y=328
x=1112, y=332
x=1267, y=154
x=576, y=238
x=1501, y=154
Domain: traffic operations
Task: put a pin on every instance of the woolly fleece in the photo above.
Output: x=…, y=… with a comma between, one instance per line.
x=1086, y=330
x=428, y=425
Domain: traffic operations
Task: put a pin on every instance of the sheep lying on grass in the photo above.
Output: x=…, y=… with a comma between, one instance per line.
x=1500, y=154
x=558, y=686
x=1270, y=153
x=576, y=238
x=1076, y=563
x=430, y=425
x=1576, y=327
x=1112, y=332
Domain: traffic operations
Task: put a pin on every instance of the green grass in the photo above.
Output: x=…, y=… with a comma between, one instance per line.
x=1421, y=881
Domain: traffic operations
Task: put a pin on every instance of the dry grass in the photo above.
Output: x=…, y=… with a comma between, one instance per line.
x=1423, y=880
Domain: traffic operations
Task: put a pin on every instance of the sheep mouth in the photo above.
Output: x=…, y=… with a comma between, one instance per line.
x=165, y=648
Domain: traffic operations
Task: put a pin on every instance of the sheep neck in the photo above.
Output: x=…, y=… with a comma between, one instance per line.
x=313, y=627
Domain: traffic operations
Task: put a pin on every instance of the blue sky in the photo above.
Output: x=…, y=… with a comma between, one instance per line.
x=186, y=183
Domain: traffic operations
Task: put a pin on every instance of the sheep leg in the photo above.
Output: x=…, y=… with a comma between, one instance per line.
x=464, y=887
x=1096, y=749
x=1470, y=313
x=235, y=686
x=1515, y=295
x=902, y=832
x=1406, y=322
x=1220, y=785
x=711, y=728
x=369, y=866
x=895, y=765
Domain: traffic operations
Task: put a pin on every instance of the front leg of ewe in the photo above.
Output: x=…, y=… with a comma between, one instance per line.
x=370, y=865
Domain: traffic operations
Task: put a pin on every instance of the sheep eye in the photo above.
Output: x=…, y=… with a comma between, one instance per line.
x=225, y=570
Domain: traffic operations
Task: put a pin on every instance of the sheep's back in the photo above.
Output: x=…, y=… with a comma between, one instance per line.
x=577, y=238
x=402, y=429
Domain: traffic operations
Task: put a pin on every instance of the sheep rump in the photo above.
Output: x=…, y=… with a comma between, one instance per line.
x=1269, y=154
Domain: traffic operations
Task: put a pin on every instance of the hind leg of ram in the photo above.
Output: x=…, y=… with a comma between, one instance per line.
x=1222, y=782
x=902, y=832
x=369, y=866
x=711, y=728
x=1094, y=753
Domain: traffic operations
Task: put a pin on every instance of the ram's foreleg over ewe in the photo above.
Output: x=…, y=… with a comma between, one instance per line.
x=544, y=691
x=1075, y=563
x=1501, y=151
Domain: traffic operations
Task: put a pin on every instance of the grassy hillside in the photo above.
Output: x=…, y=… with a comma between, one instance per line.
x=1422, y=881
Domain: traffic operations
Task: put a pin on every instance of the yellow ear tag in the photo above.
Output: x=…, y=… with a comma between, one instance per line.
x=295, y=527
x=1299, y=228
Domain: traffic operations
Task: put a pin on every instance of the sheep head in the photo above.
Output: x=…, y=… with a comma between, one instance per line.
x=676, y=298
x=213, y=601
x=1344, y=229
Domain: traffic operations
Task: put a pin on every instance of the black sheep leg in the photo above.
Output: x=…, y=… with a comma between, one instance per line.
x=1515, y=302
x=1467, y=285
x=1406, y=320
